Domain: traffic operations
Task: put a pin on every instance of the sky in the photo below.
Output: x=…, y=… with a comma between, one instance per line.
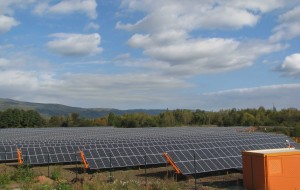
x=130, y=54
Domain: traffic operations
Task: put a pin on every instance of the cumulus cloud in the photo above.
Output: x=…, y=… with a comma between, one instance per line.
x=289, y=26
x=291, y=65
x=87, y=7
x=257, y=5
x=67, y=44
x=165, y=34
x=281, y=95
x=190, y=56
x=191, y=15
x=6, y=23
x=18, y=79
x=7, y=7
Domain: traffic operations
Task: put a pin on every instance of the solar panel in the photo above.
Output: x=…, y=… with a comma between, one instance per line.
x=8, y=152
x=49, y=155
x=221, y=158
x=122, y=157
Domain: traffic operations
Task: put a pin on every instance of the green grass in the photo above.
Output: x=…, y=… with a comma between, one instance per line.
x=56, y=174
x=23, y=174
x=4, y=180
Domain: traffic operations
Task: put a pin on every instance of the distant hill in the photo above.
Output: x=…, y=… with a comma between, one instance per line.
x=58, y=109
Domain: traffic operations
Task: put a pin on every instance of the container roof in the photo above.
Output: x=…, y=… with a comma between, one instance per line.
x=274, y=151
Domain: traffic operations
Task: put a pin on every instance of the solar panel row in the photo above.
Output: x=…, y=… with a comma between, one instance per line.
x=215, y=148
x=115, y=158
x=8, y=152
x=50, y=155
x=213, y=159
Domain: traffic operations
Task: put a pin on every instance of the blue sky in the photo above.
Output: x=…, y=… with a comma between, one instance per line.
x=125, y=54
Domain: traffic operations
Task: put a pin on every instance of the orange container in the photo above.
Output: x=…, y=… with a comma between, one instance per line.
x=272, y=169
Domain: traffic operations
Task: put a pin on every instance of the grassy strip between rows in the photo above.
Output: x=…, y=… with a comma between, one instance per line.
x=24, y=178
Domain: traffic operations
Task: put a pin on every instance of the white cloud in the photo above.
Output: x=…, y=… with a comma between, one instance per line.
x=91, y=26
x=136, y=90
x=291, y=65
x=281, y=95
x=182, y=55
x=194, y=14
x=166, y=34
x=7, y=9
x=118, y=90
x=18, y=79
x=87, y=7
x=7, y=6
x=258, y=5
x=6, y=23
x=75, y=44
x=289, y=26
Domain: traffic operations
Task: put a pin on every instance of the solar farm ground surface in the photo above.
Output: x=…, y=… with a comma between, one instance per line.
x=155, y=175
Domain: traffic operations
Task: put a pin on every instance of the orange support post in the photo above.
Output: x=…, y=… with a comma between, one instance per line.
x=86, y=165
x=172, y=163
x=20, y=160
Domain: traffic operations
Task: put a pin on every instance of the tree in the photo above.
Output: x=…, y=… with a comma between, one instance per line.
x=101, y=121
x=260, y=117
x=20, y=118
x=167, y=119
x=56, y=121
x=183, y=117
x=248, y=119
x=32, y=118
x=200, y=118
x=113, y=120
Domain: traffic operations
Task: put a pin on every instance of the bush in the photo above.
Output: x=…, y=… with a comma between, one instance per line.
x=56, y=174
x=23, y=174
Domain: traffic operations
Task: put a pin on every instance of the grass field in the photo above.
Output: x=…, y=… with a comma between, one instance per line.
x=67, y=177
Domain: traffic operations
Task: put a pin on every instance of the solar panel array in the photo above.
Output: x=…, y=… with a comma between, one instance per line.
x=8, y=152
x=50, y=155
x=222, y=155
x=107, y=147
x=123, y=157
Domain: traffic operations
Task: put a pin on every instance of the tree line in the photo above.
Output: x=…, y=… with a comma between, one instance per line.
x=16, y=118
x=232, y=117
x=285, y=119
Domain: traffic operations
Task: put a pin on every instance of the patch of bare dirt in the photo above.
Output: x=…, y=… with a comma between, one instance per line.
x=44, y=180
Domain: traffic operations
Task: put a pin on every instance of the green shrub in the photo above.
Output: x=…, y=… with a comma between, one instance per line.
x=23, y=174
x=56, y=174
